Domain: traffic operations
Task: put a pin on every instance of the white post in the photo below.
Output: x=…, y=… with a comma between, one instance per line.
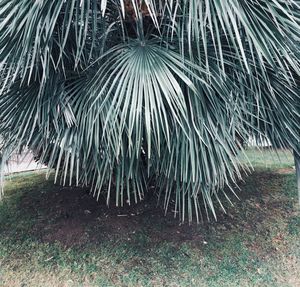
x=297, y=167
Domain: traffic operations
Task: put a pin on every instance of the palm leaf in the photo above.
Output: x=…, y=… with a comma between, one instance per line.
x=120, y=95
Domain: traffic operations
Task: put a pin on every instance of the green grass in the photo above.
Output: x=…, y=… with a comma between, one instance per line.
x=270, y=159
x=50, y=236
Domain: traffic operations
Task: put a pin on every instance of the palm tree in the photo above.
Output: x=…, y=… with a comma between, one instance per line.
x=120, y=94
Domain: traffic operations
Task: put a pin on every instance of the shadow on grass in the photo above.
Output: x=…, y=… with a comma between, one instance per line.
x=49, y=228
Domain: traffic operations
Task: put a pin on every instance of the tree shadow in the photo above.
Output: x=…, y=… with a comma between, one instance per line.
x=48, y=213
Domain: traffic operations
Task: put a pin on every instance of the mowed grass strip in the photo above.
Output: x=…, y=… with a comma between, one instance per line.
x=60, y=236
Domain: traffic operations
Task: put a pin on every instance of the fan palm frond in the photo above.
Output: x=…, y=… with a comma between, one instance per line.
x=117, y=95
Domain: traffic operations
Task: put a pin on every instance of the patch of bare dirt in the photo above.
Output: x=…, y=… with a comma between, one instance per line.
x=288, y=170
x=71, y=216
x=67, y=232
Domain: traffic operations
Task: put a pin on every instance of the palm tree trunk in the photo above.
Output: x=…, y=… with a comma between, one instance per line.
x=297, y=167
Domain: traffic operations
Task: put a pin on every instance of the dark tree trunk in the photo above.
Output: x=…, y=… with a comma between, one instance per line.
x=297, y=167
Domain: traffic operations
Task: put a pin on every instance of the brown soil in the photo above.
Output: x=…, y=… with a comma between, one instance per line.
x=72, y=217
x=285, y=170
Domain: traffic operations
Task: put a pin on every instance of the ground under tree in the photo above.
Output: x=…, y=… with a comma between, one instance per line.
x=120, y=95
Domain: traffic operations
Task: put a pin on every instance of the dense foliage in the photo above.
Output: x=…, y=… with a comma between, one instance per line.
x=120, y=95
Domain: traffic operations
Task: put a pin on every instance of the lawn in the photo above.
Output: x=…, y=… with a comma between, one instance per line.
x=60, y=236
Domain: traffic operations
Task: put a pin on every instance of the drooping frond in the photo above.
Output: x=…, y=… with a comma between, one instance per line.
x=117, y=95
